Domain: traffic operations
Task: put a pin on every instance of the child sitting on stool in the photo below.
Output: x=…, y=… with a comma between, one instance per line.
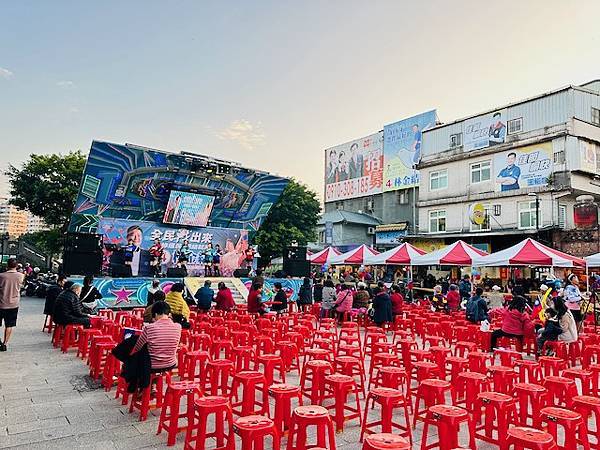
x=551, y=330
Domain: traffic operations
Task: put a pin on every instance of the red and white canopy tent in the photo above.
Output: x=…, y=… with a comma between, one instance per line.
x=593, y=260
x=324, y=256
x=529, y=252
x=458, y=254
x=402, y=255
x=354, y=257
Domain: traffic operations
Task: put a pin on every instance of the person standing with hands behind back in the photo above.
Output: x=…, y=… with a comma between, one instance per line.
x=10, y=297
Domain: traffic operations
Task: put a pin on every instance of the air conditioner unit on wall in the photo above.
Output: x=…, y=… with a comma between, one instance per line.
x=371, y=230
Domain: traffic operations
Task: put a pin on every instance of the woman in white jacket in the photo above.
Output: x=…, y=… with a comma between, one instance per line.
x=565, y=320
x=329, y=298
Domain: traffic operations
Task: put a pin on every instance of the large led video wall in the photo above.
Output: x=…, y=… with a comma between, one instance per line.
x=138, y=184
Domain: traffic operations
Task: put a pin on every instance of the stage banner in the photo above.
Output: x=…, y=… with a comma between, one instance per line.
x=523, y=167
x=484, y=131
x=291, y=286
x=354, y=169
x=232, y=244
x=402, y=150
x=126, y=292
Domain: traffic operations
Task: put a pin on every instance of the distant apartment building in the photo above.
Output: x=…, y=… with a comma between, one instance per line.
x=514, y=171
x=35, y=224
x=17, y=222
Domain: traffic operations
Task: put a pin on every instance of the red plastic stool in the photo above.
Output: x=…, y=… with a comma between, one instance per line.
x=308, y=416
x=253, y=430
x=142, y=400
x=48, y=324
x=388, y=399
x=507, y=356
x=243, y=357
x=283, y=394
x=221, y=347
x=528, y=371
x=503, y=378
x=467, y=386
x=386, y=441
x=500, y=411
x=574, y=428
x=319, y=354
x=589, y=407
x=560, y=390
x=315, y=372
x=340, y=386
x=85, y=337
x=197, y=434
x=98, y=357
x=551, y=365
x=122, y=390
x=71, y=337
x=380, y=360
x=111, y=372
x=584, y=376
x=522, y=438
x=351, y=366
x=430, y=392
x=448, y=420
x=250, y=381
x=194, y=365
x=478, y=361
x=530, y=394
x=559, y=349
x=423, y=370
x=464, y=348
x=217, y=376
x=393, y=377
x=440, y=356
x=170, y=412
x=270, y=363
x=457, y=365
x=57, y=335
x=290, y=355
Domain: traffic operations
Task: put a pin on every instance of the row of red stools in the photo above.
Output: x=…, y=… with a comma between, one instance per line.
x=205, y=369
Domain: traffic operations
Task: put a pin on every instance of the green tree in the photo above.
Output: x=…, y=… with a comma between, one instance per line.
x=293, y=218
x=46, y=186
x=49, y=241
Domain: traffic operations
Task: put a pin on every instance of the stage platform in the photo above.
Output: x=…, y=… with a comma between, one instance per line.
x=126, y=293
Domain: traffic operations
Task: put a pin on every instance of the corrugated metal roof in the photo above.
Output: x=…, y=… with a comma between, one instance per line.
x=339, y=216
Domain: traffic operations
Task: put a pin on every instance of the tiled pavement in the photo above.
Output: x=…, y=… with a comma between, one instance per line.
x=46, y=400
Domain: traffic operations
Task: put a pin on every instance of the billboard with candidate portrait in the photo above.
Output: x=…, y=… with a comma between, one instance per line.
x=402, y=150
x=484, y=131
x=523, y=167
x=230, y=243
x=354, y=169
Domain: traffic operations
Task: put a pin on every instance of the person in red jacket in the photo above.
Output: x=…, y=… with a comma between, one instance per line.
x=224, y=298
x=397, y=300
x=254, y=299
x=514, y=321
x=453, y=298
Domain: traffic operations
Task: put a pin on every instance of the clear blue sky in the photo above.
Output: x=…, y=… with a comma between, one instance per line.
x=272, y=83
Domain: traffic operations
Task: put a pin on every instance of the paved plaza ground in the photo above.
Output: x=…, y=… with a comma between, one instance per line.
x=48, y=401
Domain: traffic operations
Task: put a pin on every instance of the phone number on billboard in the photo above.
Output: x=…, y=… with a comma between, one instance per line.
x=348, y=189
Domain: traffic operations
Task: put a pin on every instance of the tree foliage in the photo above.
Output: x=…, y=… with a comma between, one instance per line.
x=293, y=218
x=49, y=241
x=47, y=186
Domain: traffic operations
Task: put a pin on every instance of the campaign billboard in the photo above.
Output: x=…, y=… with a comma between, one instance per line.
x=232, y=244
x=402, y=150
x=523, y=167
x=354, y=169
x=484, y=131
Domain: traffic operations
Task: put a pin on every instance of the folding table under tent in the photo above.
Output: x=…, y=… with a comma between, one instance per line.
x=324, y=256
x=354, y=257
x=529, y=252
x=458, y=254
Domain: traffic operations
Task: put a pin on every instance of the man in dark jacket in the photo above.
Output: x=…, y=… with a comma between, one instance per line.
x=318, y=290
x=477, y=309
x=382, y=307
x=51, y=294
x=305, y=293
x=280, y=298
x=67, y=308
x=204, y=296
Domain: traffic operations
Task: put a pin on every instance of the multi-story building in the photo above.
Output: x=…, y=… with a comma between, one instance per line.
x=35, y=224
x=513, y=171
x=12, y=219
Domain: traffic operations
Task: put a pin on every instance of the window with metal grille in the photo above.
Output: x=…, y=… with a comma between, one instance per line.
x=515, y=126
x=455, y=140
x=497, y=210
x=562, y=216
x=596, y=116
x=559, y=157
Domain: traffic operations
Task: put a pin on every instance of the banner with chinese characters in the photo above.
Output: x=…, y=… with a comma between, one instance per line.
x=229, y=243
x=402, y=150
x=354, y=169
x=524, y=167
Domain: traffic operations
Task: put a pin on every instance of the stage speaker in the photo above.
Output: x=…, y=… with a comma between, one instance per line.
x=83, y=242
x=295, y=263
x=82, y=263
x=120, y=271
x=176, y=272
x=241, y=273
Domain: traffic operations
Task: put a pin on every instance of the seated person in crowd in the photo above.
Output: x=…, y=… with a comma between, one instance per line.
x=155, y=294
x=397, y=300
x=515, y=321
x=280, y=297
x=204, y=297
x=343, y=302
x=224, y=298
x=255, y=300
x=551, y=329
x=89, y=294
x=477, y=309
x=67, y=308
x=453, y=298
x=180, y=311
x=52, y=293
x=361, y=298
x=162, y=337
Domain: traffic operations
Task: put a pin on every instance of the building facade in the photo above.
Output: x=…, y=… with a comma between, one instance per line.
x=17, y=222
x=516, y=170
